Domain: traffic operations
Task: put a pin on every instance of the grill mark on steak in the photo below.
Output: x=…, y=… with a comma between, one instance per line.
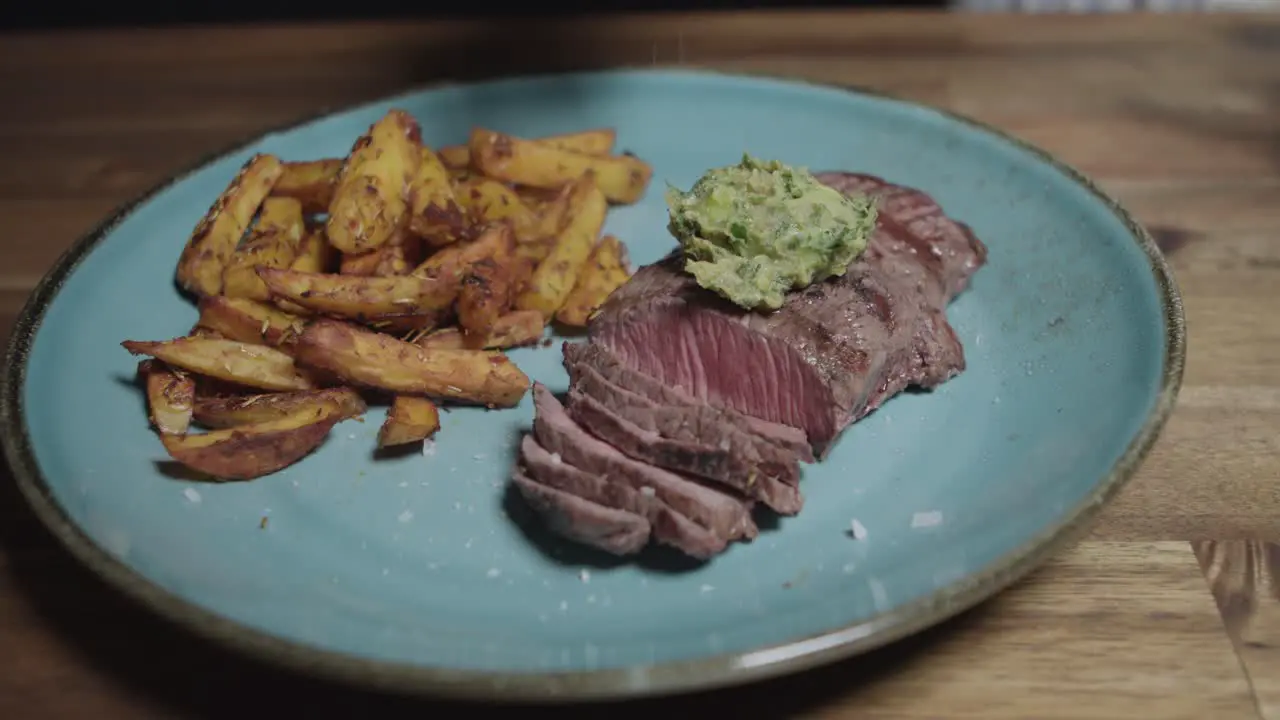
x=614, y=531
x=724, y=515
x=599, y=358
x=700, y=426
x=649, y=447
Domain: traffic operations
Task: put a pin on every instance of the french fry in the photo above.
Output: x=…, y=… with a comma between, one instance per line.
x=486, y=289
x=588, y=142
x=369, y=198
x=218, y=233
x=250, y=451
x=310, y=183
x=435, y=216
x=622, y=178
x=520, y=327
x=248, y=321
x=556, y=276
x=409, y=419
x=236, y=362
x=273, y=242
x=361, y=298
x=224, y=412
x=315, y=254
x=489, y=201
x=371, y=359
x=170, y=396
x=605, y=271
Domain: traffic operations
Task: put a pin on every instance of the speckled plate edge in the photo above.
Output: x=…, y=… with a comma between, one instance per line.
x=634, y=682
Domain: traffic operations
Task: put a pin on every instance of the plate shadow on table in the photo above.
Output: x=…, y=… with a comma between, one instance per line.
x=117, y=638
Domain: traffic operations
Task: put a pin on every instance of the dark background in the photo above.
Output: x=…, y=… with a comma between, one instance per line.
x=43, y=14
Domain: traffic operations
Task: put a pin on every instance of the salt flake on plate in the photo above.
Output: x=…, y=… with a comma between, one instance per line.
x=926, y=519
x=857, y=530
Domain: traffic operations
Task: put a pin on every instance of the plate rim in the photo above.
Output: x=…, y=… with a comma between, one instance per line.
x=669, y=678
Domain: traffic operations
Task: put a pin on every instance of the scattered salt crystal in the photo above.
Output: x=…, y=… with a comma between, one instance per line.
x=192, y=495
x=926, y=519
x=725, y=444
x=857, y=530
x=564, y=605
x=385, y=571
x=707, y=588
x=591, y=599
x=848, y=568
x=478, y=456
x=467, y=545
x=555, y=458
x=584, y=575
x=295, y=483
x=404, y=484
x=494, y=572
x=428, y=447
x=457, y=506
x=878, y=594
x=648, y=491
x=352, y=436
x=406, y=516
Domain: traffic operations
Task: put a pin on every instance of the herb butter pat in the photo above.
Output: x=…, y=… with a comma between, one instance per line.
x=751, y=232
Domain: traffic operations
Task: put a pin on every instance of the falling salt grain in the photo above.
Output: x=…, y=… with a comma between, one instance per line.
x=584, y=575
x=494, y=572
x=406, y=516
x=385, y=571
x=857, y=530
x=428, y=447
x=478, y=456
x=926, y=519
x=404, y=484
x=648, y=491
x=192, y=495
x=555, y=459
x=707, y=588
x=352, y=436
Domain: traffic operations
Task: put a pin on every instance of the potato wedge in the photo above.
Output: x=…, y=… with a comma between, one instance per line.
x=170, y=396
x=362, y=298
x=588, y=142
x=556, y=276
x=408, y=324
x=606, y=270
x=435, y=215
x=370, y=197
x=486, y=290
x=622, y=178
x=248, y=321
x=218, y=233
x=310, y=183
x=236, y=362
x=409, y=419
x=224, y=412
x=520, y=327
x=400, y=255
x=315, y=254
x=273, y=242
x=251, y=451
x=371, y=359
x=489, y=201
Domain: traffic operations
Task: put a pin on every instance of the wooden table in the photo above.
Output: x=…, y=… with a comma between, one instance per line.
x=1171, y=608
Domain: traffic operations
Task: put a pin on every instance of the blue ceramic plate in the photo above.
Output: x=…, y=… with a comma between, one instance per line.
x=419, y=573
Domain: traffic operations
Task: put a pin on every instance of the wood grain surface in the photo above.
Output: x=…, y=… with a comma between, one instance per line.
x=1169, y=609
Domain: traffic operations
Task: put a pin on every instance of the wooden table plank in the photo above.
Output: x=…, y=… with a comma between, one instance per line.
x=1177, y=116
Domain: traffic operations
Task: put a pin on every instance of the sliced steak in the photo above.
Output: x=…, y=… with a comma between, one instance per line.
x=719, y=447
x=603, y=361
x=835, y=350
x=724, y=515
x=615, y=531
x=650, y=447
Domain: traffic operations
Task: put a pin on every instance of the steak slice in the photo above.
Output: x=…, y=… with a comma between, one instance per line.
x=649, y=447
x=668, y=526
x=719, y=447
x=603, y=361
x=615, y=531
x=724, y=515
x=835, y=350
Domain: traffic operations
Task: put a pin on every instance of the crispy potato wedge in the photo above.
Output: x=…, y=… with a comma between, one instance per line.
x=588, y=142
x=256, y=366
x=489, y=201
x=250, y=451
x=486, y=289
x=556, y=276
x=218, y=233
x=622, y=178
x=232, y=411
x=370, y=197
x=606, y=270
x=273, y=242
x=248, y=321
x=520, y=327
x=170, y=396
x=409, y=419
x=362, y=298
x=375, y=360
x=408, y=324
x=310, y=183
x=435, y=215
x=315, y=254
x=400, y=255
